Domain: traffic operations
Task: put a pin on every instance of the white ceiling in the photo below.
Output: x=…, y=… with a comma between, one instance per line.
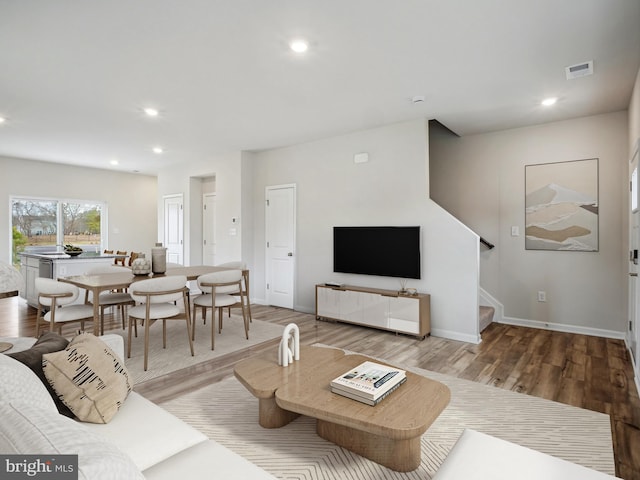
x=75, y=74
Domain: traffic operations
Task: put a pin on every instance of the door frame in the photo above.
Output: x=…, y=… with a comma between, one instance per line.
x=632, y=336
x=165, y=223
x=204, y=215
x=267, y=269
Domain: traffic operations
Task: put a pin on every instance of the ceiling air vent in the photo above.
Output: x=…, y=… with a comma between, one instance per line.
x=579, y=70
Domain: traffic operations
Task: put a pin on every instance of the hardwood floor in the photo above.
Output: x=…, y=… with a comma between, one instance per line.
x=579, y=370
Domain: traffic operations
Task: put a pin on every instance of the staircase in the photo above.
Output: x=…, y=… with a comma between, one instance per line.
x=486, y=316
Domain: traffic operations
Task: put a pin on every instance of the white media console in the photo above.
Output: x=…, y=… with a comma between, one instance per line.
x=377, y=308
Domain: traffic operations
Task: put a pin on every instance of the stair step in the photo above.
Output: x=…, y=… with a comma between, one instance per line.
x=486, y=316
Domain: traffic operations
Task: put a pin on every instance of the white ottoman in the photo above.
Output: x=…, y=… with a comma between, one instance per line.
x=477, y=456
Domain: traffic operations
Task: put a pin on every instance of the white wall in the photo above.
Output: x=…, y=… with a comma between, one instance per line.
x=190, y=181
x=131, y=198
x=634, y=117
x=391, y=189
x=480, y=179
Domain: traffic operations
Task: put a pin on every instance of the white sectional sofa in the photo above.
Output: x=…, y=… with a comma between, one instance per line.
x=478, y=456
x=141, y=441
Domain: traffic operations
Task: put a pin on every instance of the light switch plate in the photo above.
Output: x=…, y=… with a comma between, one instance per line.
x=515, y=231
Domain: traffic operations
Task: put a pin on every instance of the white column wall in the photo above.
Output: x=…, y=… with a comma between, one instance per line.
x=185, y=178
x=390, y=189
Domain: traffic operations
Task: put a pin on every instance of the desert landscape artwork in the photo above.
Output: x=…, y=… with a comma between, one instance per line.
x=561, y=206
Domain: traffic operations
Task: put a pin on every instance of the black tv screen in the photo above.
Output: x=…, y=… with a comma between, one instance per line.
x=384, y=251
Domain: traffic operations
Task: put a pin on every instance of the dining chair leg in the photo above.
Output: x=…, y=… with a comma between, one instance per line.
x=213, y=328
x=131, y=319
x=244, y=319
x=249, y=308
x=146, y=342
x=164, y=333
x=101, y=320
x=187, y=317
x=194, y=314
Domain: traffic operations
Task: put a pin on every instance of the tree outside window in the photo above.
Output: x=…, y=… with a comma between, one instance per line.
x=40, y=225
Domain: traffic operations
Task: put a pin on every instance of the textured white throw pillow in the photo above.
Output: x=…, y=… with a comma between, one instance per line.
x=26, y=429
x=89, y=378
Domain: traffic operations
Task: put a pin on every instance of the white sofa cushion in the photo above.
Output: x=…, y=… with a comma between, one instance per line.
x=27, y=429
x=114, y=342
x=205, y=461
x=18, y=383
x=148, y=433
x=477, y=456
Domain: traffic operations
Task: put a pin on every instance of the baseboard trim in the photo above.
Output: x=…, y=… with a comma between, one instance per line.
x=303, y=309
x=636, y=372
x=561, y=327
x=451, y=335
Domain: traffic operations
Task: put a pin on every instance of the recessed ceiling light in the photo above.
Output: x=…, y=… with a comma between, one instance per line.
x=158, y=150
x=114, y=162
x=151, y=112
x=547, y=102
x=2, y=120
x=299, y=45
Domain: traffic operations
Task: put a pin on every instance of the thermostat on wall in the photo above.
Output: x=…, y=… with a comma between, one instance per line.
x=361, y=157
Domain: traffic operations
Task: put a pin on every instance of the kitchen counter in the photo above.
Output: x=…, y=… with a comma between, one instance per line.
x=56, y=265
x=64, y=256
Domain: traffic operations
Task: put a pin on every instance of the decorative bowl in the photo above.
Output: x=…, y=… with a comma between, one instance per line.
x=73, y=253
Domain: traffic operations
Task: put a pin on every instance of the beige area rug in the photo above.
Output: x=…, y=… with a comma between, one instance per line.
x=177, y=355
x=227, y=413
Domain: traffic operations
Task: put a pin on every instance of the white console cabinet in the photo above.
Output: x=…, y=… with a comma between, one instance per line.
x=384, y=309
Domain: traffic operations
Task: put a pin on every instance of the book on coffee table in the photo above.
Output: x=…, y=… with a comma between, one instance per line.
x=369, y=380
x=368, y=401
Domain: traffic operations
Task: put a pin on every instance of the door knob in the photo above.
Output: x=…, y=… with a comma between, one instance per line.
x=290, y=254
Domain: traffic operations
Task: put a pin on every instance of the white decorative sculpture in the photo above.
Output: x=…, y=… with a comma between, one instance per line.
x=289, y=348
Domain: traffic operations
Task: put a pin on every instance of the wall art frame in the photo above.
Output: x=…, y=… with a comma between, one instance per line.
x=561, y=206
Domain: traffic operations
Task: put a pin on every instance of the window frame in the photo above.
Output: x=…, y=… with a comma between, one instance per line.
x=104, y=240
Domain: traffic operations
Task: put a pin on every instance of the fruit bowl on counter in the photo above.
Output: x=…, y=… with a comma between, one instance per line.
x=72, y=251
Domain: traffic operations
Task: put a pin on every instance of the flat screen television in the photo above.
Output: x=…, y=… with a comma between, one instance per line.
x=384, y=251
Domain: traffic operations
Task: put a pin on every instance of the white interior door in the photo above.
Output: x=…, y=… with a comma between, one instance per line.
x=174, y=228
x=280, y=235
x=209, y=229
x=633, y=336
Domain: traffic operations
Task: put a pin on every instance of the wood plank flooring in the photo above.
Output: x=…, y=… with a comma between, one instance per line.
x=583, y=371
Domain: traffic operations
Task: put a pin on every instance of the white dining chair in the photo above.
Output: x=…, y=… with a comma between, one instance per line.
x=245, y=288
x=58, y=298
x=156, y=299
x=219, y=290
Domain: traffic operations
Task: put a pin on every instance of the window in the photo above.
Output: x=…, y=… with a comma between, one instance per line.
x=43, y=224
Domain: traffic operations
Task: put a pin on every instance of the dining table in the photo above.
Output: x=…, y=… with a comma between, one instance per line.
x=105, y=282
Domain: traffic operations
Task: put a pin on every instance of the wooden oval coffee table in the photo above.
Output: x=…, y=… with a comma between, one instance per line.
x=388, y=433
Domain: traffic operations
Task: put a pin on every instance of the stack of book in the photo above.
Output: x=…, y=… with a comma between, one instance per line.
x=369, y=382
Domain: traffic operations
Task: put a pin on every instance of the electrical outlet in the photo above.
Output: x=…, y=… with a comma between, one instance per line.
x=542, y=296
